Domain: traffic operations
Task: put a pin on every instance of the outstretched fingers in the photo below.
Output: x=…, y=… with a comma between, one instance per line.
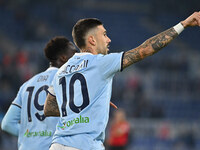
x=198, y=18
x=193, y=20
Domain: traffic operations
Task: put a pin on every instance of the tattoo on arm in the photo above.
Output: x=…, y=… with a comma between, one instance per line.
x=149, y=47
x=51, y=106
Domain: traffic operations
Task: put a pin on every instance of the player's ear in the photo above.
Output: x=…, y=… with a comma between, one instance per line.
x=92, y=40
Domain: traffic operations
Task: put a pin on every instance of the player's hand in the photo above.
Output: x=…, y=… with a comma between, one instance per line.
x=193, y=20
x=113, y=105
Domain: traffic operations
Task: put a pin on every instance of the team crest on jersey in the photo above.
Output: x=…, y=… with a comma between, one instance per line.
x=63, y=127
x=37, y=133
x=75, y=121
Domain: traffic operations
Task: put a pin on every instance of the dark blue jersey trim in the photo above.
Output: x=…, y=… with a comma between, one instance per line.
x=122, y=61
x=16, y=105
x=51, y=94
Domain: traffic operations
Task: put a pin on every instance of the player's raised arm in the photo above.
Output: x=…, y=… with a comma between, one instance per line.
x=51, y=107
x=157, y=42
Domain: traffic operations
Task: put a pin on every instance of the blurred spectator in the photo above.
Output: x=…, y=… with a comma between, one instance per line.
x=119, y=132
x=185, y=141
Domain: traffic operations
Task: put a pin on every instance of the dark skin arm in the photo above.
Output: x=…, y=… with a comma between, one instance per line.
x=156, y=43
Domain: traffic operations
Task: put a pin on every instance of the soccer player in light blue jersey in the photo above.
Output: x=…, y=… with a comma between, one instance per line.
x=25, y=117
x=82, y=86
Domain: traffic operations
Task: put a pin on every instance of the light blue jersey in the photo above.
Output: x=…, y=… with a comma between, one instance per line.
x=35, y=131
x=82, y=87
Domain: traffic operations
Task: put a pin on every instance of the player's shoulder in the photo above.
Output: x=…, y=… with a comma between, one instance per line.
x=107, y=57
x=42, y=76
x=78, y=56
x=32, y=79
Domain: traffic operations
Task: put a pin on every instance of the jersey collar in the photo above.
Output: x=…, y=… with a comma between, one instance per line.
x=52, y=68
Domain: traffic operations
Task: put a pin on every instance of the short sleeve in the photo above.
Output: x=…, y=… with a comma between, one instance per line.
x=51, y=91
x=110, y=64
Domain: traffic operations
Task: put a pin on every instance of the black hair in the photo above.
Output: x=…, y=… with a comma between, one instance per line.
x=56, y=47
x=81, y=28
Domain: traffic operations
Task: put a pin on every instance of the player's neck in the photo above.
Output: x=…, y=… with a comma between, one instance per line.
x=89, y=50
x=55, y=64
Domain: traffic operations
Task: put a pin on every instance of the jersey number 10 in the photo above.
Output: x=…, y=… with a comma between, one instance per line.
x=84, y=91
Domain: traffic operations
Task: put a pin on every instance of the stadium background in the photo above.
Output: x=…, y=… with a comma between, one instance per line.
x=160, y=94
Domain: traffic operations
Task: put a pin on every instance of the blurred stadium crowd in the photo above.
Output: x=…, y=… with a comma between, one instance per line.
x=160, y=94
